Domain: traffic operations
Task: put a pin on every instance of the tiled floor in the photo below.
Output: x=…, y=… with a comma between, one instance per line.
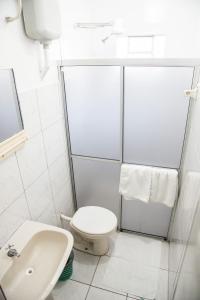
x=134, y=268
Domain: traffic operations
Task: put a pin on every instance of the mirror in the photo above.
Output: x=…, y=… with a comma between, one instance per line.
x=10, y=115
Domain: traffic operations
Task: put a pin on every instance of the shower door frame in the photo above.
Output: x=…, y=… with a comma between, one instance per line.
x=122, y=63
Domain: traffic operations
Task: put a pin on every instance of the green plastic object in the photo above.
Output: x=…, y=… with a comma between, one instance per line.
x=68, y=269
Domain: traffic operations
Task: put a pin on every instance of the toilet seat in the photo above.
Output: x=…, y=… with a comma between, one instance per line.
x=94, y=220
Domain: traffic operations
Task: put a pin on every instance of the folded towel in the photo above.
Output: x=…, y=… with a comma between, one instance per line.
x=149, y=184
x=164, y=186
x=135, y=182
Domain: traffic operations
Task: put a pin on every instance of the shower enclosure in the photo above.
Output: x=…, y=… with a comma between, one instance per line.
x=124, y=111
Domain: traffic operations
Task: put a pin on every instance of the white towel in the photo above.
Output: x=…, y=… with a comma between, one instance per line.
x=135, y=182
x=164, y=187
x=190, y=192
x=149, y=184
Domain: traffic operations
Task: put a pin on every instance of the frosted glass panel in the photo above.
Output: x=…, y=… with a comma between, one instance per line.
x=155, y=114
x=97, y=183
x=93, y=103
x=149, y=218
x=10, y=116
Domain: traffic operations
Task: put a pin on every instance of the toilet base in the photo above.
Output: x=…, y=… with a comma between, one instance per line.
x=92, y=246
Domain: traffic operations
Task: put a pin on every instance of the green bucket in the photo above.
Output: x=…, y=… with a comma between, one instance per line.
x=68, y=269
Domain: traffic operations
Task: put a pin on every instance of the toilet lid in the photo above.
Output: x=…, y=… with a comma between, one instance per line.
x=94, y=220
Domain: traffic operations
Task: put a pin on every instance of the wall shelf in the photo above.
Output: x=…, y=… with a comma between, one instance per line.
x=12, y=144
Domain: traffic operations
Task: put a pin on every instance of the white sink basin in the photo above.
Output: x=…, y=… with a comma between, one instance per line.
x=43, y=251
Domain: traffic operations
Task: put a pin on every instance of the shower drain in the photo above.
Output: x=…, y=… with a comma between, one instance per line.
x=29, y=271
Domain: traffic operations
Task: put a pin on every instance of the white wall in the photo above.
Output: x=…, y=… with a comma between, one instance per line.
x=179, y=20
x=185, y=216
x=34, y=182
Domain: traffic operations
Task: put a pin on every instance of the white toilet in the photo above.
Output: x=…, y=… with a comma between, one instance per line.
x=91, y=227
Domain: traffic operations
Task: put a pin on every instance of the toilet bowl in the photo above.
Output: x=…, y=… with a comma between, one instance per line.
x=91, y=227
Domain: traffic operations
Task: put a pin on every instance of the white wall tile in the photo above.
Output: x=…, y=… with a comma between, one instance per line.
x=162, y=288
x=48, y=191
x=54, y=140
x=30, y=113
x=59, y=171
x=12, y=218
x=61, y=185
x=164, y=262
x=64, y=200
x=50, y=107
x=32, y=160
x=10, y=182
x=48, y=216
x=39, y=196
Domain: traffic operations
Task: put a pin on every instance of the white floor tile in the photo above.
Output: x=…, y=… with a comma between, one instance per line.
x=162, y=287
x=70, y=290
x=84, y=266
x=125, y=276
x=98, y=294
x=136, y=248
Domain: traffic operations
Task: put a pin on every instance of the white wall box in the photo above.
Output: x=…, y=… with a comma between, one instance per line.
x=42, y=19
x=130, y=112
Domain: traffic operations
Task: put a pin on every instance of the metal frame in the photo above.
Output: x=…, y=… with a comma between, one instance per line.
x=122, y=63
x=63, y=85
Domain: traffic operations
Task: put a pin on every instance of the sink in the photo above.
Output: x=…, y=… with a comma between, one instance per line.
x=43, y=250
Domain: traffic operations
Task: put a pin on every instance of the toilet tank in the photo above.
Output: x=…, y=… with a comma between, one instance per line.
x=42, y=19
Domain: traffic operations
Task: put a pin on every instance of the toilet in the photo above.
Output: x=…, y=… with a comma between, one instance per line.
x=91, y=227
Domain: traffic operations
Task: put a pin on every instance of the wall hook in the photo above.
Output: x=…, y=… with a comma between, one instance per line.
x=19, y=12
x=193, y=93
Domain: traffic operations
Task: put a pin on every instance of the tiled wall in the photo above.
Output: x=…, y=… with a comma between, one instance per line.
x=35, y=182
x=187, y=203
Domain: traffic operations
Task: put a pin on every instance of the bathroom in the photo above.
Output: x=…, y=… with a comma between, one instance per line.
x=99, y=149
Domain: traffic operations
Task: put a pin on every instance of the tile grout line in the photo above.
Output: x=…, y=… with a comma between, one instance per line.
x=125, y=295
x=61, y=117
x=95, y=270
x=107, y=290
x=29, y=210
x=90, y=285
x=99, y=288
